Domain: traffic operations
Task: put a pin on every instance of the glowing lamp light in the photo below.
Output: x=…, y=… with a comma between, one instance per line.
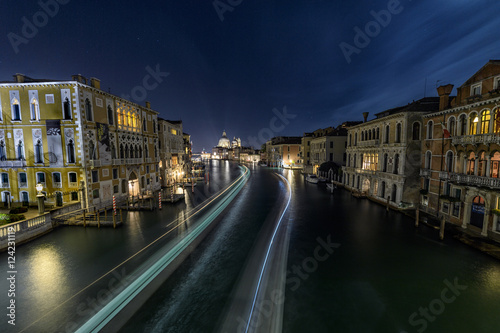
x=476, y=119
x=39, y=187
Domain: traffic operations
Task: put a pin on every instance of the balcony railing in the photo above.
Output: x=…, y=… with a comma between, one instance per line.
x=57, y=184
x=476, y=139
x=4, y=185
x=368, y=143
x=23, y=184
x=472, y=180
x=94, y=163
x=134, y=161
x=425, y=172
x=149, y=160
x=13, y=164
x=444, y=175
x=118, y=161
x=73, y=184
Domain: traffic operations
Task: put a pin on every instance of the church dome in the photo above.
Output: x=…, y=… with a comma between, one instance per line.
x=224, y=141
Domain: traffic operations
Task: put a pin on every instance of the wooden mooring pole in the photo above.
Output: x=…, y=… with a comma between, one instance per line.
x=417, y=217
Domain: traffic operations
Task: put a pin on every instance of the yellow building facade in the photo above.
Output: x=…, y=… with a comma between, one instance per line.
x=70, y=136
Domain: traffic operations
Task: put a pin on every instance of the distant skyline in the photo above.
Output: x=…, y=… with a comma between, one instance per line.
x=254, y=68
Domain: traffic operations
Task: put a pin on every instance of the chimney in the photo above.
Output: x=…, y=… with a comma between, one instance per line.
x=96, y=83
x=19, y=78
x=365, y=116
x=148, y=105
x=444, y=96
x=79, y=78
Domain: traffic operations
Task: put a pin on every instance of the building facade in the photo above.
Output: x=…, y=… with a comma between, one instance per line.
x=284, y=152
x=383, y=154
x=70, y=136
x=328, y=147
x=460, y=175
x=172, y=151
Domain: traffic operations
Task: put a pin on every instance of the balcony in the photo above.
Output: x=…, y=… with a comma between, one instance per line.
x=134, y=161
x=368, y=143
x=73, y=184
x=476, y=139
x=471, y=180
x=118, y=161
x=23, y=184
x=94, y=163
x=57, y=184
x=444, y=175
x=4, y=185
x=425, y=173
x=149, y=160
x=13, y=164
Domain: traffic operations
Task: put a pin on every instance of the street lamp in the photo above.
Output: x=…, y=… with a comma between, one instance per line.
x=41, y=198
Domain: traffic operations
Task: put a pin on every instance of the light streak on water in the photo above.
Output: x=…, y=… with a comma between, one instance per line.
x=106, y=314
x=267, y=253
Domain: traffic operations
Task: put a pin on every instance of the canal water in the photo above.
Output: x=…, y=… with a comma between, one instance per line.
x=352, y=267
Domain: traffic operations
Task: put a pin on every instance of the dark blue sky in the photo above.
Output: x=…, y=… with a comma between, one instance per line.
x=231, y=74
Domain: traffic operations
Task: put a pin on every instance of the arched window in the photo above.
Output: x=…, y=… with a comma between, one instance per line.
x=34, y=111
x=485, y=121
x=451, y=126
x=398, y=133
x=473, y=121
x=122, y=155
x=387, y=129
x=496, y=121
x=154, y=126
x=156, y=152
x=124, y=186
x=38, y=152
x=71, y=152
x=137, y=152
x=111, y=119
x=354, y=161
x=20, y=150
x=416, y=131
x=350, y=139
x=396, y=164
x=430, y=129
x=144, y=128
x=363, y=136
x=384, y=166
x=378, y=133
x=66, y=109
x=471, y=161
x=126, y=151
x=16, y=110
x=92, y=151
x=113, y=150
x=449, y=161
x=88, y=110
x=3, y=153
x=349, y=160
x=131, y=151
x=355, y=139
x=428, y=160
x=146, y=152
x=373, y=134
x=140, y=152
x=462, y=120
x=495, y=165
x=382, y=190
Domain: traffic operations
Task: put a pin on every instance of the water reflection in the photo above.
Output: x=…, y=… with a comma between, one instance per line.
x=47, y=279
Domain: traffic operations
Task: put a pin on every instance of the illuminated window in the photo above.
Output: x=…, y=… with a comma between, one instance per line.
x=473, y=121
x=485, y=121
x=34, y=110
x=16, y=110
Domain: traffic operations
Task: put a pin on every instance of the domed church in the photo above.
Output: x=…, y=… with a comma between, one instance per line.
x=224, y=141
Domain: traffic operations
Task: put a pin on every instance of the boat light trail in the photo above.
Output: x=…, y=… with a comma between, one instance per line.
x=268, y=251
x=240, y=180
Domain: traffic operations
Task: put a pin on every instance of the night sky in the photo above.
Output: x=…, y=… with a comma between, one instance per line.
x=230, y=74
